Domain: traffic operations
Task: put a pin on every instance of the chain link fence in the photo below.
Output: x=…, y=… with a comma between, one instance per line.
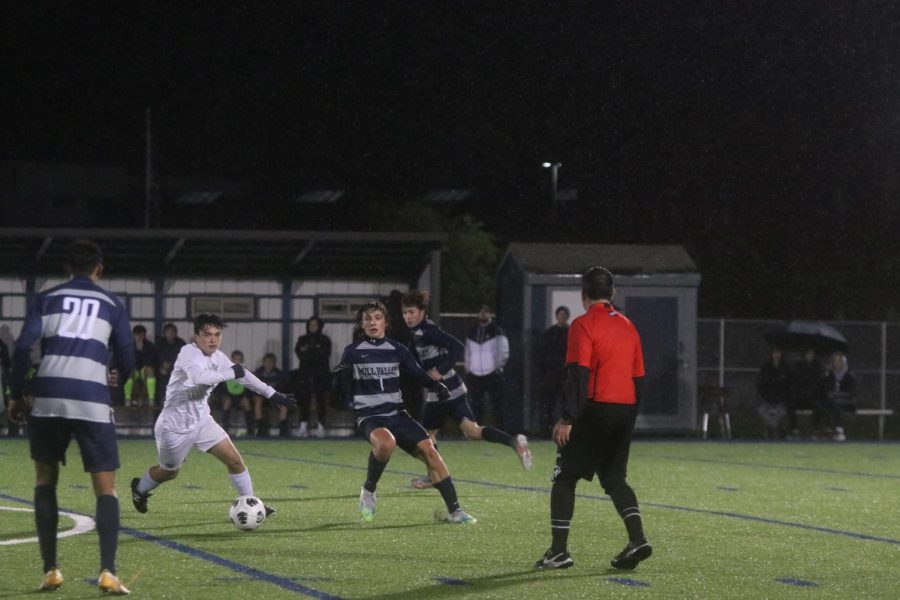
x=730, y=353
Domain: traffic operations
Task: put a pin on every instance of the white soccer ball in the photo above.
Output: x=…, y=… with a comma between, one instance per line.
x=247, y=512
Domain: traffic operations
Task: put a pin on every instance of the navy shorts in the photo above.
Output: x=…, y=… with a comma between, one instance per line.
x=50, y=436
x=404, y=428
x=435, y=412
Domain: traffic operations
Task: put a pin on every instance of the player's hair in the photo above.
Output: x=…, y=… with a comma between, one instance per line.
x=208, y=319
x=139, y=329
x=597, y=283
x=370, y=306
x=415, y=298
x=82, y=257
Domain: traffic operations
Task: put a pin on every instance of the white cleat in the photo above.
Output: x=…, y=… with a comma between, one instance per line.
x=523, y=451
x=367, y=505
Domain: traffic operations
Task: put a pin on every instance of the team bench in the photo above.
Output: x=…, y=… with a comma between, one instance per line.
x=881, y=413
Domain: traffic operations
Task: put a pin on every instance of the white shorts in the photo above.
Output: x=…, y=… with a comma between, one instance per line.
x=173, y=447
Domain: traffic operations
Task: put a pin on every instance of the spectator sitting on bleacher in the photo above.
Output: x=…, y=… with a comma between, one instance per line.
x=774, y=387
x=808, y=389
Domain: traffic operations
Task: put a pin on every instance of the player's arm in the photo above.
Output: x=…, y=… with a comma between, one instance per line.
x=502, y=350
x=578, y=373
x=254, y=383
x=455, y=349
x=412, y=366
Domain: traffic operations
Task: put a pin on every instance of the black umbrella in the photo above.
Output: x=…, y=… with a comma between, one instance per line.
x=800, y=334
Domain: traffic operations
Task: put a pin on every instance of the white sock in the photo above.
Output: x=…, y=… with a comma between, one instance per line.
x=241, y=483
x=147, y=483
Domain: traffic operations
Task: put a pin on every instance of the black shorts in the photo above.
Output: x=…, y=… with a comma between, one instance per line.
x=50, y=436
x=435, y=412
x=599, y=443
x=406, y=430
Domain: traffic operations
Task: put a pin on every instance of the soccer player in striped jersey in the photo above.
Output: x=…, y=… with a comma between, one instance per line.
x=438, y=352
x=370, y=371
x=78, y=323
x=185, y=420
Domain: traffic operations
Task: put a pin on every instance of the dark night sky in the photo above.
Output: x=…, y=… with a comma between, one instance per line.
x=752, y=133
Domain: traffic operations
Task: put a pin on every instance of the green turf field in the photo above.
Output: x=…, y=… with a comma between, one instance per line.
x=735, y=520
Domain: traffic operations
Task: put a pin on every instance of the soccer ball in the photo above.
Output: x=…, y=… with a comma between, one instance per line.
x=247, y=512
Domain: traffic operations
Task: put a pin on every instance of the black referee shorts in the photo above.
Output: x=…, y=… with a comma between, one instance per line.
x=599, y=443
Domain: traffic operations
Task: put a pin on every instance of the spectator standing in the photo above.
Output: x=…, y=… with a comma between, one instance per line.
x=313, y=384
x=77, y=323
x=840, y=395
x=774, y=387
x=487, y=351
x=552, y=353
x=604, y=374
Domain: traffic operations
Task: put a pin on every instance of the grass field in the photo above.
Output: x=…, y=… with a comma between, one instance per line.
x=727, y=520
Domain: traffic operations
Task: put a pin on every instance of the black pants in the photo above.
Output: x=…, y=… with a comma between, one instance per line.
x=487, y=386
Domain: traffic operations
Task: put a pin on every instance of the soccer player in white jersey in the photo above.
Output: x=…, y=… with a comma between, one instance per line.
x=185, y=420
x=78, y=323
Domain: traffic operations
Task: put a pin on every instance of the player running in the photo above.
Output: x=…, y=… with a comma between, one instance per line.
x=438, y=351
x=185, y=419
x=370, y=374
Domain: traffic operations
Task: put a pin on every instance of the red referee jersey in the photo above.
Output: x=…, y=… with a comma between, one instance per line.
x=607, y=343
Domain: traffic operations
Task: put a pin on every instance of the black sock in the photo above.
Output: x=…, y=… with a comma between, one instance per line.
x=562, y=507
x=373, y=472
x=448, y=493
x=108, y=531
x=46, y=517
x=625, y=501
x=495, y=436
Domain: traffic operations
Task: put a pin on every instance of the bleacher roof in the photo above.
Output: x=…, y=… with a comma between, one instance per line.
x=621, y=259
x=172, y=252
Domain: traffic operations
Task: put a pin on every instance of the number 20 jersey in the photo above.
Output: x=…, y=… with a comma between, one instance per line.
x=76, y=322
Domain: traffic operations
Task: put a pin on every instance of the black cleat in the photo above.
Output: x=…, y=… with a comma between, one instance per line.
x=269, y=511
x=551, y=560
x=633, y=553
x=139, y=499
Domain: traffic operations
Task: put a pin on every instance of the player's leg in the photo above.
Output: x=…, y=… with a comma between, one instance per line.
x=462, y=413
x=616, y=427
x=172, y=448
x=48, y=439
x=433, y=416
x=46, y=518
x=442, y=481
x=383, y=446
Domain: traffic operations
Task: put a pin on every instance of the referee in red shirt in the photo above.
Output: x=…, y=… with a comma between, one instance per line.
x=604, y=373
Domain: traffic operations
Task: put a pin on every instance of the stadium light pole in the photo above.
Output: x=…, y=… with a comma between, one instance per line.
x=554, y=176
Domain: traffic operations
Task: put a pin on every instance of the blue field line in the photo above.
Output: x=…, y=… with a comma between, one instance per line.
x=722, y=461
x=281, y=582
x=546, y=490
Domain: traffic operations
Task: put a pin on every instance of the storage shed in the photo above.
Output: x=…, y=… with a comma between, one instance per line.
x=656, y=287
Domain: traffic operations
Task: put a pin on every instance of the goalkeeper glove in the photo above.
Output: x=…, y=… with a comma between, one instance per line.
x=279, y=399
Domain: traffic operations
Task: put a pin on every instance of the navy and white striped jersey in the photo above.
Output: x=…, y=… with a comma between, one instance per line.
x=439, y=350
x=374, y=366
x=77, y=322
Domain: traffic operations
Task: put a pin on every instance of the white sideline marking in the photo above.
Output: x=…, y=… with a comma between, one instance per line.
x=83, y=524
